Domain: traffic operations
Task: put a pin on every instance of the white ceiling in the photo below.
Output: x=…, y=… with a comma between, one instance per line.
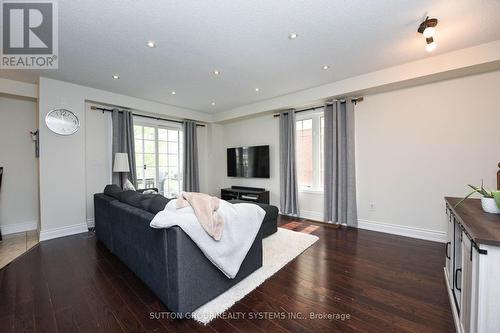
x=248, y=42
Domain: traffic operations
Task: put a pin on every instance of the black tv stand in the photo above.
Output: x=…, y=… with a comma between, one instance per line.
x=251, y=194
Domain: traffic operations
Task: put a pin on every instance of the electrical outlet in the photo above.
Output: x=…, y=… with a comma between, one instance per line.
x=372, y=207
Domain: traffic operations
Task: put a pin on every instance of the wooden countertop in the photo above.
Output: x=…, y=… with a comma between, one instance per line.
x=484, y=228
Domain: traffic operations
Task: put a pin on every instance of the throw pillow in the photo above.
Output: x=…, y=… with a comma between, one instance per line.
x=114, y=191
x=128, y=186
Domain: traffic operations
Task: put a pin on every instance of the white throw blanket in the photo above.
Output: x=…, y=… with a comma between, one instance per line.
x=206, y=209
x=242, y=222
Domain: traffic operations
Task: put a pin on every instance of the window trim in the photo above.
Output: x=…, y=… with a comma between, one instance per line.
x=315, y=115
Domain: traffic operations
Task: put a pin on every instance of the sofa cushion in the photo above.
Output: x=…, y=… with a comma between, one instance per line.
x=113, y=191
x=271, y=211
x=128, y=185
x=155, y=203
x=270, y=222
x=152, y=203
x=134, y=198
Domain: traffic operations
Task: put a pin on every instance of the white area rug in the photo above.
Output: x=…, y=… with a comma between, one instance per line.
x=278, y=250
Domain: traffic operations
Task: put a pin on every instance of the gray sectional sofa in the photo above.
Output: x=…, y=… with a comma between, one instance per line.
x=167, y=260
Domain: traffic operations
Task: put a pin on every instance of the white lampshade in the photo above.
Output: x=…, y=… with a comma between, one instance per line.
x=121, y=163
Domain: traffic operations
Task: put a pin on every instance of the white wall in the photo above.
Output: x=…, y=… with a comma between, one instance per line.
x=203, y=158
x=261, y=130
x=62, y=164
x=311, y=205
x=64, y=188
x=73, y=168
x=417, y=145
x=413, y=147
x=98, y=161
x=216, y=158
x=19, y=193
x=18, y=89
x=258, y=130
x=98, y=151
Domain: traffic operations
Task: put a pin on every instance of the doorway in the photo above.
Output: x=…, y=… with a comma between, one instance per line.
x=19, y=198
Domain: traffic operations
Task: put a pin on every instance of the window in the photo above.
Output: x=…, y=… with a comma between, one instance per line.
x=158, y=158
x=309, y=150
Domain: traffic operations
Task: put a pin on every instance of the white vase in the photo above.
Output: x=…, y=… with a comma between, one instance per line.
x=490, y=206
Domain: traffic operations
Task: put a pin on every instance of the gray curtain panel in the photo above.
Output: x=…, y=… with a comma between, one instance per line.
x=289, y=199
x=339, y=174
x=123, y=142
x=190, y=177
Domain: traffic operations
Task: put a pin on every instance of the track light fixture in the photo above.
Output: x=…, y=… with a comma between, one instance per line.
x=431, y=44
x=428, y=29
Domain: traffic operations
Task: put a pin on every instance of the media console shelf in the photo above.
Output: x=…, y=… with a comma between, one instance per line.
x=252, y=194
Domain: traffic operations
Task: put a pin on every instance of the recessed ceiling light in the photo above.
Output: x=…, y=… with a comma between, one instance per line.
x=257, y=89
x=216, y=72
x=116, y=77
x=325, y=67
x=292, y=35
x=213, y=103
x=173, y=92
x=151, y=44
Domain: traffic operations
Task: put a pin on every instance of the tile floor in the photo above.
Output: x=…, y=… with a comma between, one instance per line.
x=13, y=245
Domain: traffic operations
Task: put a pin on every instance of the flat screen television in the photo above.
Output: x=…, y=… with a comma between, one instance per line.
x=248, y=162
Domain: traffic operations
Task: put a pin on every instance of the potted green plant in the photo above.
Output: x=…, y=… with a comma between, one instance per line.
x=490, y=202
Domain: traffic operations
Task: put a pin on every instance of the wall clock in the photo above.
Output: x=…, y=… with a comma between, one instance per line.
x=62, y=121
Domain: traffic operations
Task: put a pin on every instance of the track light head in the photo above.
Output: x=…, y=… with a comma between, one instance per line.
x=428, y=27
x=431, y=44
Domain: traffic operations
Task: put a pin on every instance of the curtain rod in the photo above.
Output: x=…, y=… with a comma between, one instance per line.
x=143, y=116
x=355, y=100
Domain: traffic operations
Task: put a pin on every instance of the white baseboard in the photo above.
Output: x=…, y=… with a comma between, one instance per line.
x=432, y=235
x=311, y=215
x=18, y=227
x=63, y=231
x=91, y=222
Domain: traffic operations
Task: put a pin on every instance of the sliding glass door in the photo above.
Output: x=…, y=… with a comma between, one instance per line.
x=170, y=160
x=145, y=156
x=158, y=151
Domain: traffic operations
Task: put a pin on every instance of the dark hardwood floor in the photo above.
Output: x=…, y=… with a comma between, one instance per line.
x=384, y=283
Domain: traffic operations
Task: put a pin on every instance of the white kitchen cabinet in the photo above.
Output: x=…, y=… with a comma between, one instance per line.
x=472, y=269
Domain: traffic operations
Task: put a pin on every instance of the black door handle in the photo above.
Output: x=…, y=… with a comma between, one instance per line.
x=446, y=250
x=456, y=275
